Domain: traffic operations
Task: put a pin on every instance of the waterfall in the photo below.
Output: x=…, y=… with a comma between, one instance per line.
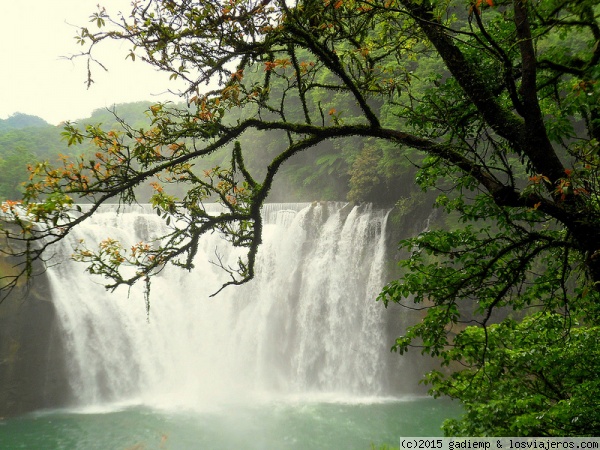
x=307, y=324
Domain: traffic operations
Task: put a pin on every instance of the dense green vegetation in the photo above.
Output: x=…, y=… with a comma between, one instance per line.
x=21, y=137
x=493, y=105
x=332, y=172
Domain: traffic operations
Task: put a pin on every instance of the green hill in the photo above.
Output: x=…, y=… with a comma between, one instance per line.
x=19, y=121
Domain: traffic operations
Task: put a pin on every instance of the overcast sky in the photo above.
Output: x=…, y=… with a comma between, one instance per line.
x=35, y=79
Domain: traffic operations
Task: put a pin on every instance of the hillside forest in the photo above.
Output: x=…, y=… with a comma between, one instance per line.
x=333, y=172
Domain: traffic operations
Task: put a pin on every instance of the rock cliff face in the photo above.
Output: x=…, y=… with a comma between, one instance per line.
x=32, y=363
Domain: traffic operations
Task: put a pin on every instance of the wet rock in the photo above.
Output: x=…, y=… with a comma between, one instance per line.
x=32, y=362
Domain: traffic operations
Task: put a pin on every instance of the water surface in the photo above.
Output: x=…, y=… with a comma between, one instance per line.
x=290, y=424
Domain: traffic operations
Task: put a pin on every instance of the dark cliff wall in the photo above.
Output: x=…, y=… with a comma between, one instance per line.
x=410, y=216
x=32, y=357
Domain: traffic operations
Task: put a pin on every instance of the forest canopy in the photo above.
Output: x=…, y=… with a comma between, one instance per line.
x=494, y=105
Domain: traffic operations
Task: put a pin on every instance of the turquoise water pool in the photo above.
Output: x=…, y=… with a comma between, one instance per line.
x=290, y=424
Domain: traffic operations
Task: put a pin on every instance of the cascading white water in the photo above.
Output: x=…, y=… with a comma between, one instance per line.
x=308, y=323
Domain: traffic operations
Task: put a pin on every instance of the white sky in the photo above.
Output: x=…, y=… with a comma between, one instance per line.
x=35, y=79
